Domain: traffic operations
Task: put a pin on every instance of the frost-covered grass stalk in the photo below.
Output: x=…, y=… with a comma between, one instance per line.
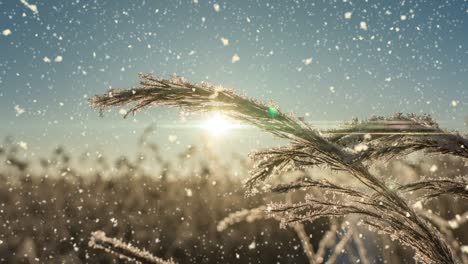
x=99, y=240
x=328, y=241
x=352, y=149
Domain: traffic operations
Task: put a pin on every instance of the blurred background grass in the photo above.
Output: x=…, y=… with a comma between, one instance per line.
x=50, y=205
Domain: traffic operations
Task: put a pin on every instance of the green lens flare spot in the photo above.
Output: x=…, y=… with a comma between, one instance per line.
x=273, y=112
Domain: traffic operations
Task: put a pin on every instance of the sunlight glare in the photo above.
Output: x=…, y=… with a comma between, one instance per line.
x=217, y=125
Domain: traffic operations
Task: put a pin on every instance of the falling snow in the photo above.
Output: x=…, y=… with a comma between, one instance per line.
x=307, y=61
x=19, y=110
x=6, y=32
x=31, y=7
x=225, y=41
x=348, y=15
x=235, y=58
x=162, y=179
x=363, y=25
x=216, y=7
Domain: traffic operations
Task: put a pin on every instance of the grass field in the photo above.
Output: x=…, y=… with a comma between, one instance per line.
x=48, y=213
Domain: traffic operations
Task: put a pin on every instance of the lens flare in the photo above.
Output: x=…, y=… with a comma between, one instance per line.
x=217, y=125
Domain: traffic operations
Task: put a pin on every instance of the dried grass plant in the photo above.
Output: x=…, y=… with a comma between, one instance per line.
x=329, y=240
x=351, y=149
x=123, y=250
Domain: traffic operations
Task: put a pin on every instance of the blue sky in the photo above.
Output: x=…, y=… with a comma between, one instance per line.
x=326, y=60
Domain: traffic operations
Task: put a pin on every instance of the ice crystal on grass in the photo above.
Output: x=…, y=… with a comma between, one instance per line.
x=380, y=206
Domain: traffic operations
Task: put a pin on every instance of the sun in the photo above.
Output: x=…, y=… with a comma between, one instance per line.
x=217, y=125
